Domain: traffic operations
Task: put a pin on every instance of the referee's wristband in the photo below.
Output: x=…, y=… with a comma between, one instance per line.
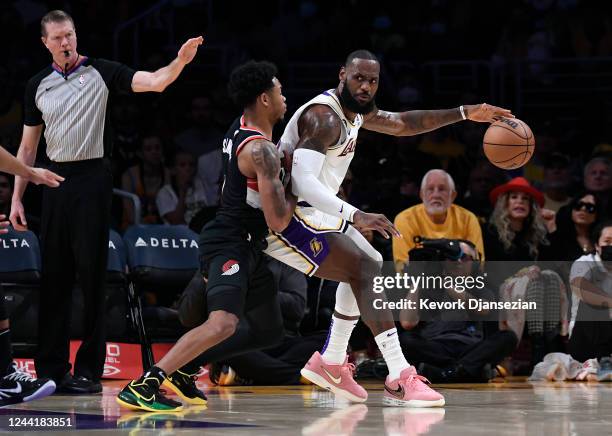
x=462, y=111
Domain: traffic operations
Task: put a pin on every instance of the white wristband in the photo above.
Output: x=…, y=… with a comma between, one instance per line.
x=462, y=112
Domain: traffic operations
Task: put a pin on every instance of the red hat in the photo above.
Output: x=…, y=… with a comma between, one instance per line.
x=517, y=184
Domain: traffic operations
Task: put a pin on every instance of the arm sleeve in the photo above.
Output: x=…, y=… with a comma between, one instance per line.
x=118, y=77
x=32, y=116
x=474, y=233
x=307, y=166
x=401, y=246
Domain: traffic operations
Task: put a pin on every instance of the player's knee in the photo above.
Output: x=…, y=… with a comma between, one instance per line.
x=222, y=324
x=368, y=266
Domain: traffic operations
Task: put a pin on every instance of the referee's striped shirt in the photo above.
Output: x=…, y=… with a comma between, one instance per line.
x=74, y=109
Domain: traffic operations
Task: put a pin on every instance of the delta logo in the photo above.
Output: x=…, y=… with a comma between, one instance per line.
x=14, y=243
x=166, y=243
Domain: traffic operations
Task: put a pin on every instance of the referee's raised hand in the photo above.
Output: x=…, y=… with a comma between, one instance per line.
x=188, y=50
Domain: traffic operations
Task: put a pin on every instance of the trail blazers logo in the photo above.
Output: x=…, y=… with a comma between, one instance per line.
x=230, y=268
x=316, y=247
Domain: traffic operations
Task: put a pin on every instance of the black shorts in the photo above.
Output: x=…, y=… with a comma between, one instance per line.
x=238, y=278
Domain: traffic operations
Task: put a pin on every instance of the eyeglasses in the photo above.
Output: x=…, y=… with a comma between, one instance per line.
x=588, y=207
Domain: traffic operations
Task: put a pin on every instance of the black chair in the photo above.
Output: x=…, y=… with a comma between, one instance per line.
x=20, y=268
x=162, y=260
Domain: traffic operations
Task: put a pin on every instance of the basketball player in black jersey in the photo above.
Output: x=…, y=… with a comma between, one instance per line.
x=239, y=285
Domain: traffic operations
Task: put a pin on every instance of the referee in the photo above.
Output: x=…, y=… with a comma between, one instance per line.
x=70, y=99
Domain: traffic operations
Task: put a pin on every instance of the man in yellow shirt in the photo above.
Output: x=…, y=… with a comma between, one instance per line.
x=436, y=217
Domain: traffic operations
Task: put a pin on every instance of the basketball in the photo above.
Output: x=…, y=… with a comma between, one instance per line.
x=509, y=143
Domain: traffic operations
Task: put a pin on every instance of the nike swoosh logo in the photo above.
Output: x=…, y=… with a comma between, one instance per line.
x=146, y=400
x=341, y=208
x=391, y=334
x=336, y=380
x=16, y=390
x=399, y=392
x=49, y=88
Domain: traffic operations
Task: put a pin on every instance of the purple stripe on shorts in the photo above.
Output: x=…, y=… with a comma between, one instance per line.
x=313, y=245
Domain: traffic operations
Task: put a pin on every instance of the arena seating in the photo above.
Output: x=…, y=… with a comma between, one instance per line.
x=20, y=276
x=162, y=261
x=148, y=259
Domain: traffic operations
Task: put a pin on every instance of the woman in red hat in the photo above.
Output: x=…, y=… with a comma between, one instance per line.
x=514, y=240
x=517, y=227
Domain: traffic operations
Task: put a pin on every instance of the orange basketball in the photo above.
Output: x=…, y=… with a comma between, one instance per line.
x=509, y=143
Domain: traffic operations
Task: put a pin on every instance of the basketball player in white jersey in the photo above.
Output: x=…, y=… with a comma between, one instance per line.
x=321, y=241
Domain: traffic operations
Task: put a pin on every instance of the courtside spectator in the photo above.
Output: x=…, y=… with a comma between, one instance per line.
x=591, y=282
x=514, y=240
x=437, y=217
x=449, y=346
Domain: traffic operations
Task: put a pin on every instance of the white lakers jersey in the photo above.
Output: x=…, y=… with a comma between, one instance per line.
x=338, y=156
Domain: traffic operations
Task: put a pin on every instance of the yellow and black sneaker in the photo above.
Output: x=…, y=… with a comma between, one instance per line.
x=184, y=386
x=139, y=395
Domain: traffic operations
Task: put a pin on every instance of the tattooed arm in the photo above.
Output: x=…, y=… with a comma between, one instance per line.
x=421, y=121
x=277, y=203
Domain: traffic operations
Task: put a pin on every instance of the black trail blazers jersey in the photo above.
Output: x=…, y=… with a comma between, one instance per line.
x=240, y=197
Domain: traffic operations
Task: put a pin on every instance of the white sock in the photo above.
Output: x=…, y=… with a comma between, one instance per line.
x=389, y=345
x=334, y=350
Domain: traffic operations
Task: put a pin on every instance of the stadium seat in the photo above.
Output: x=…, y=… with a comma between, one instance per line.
x=162, y=260
x=20, y=268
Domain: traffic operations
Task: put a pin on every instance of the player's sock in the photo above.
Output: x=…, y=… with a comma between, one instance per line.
x=334, y=350
x=153, y=375
x=6, y=352
x=389, y=345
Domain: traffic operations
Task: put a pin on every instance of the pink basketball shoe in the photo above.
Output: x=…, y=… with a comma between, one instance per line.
x=335, y=378
x=411, y=390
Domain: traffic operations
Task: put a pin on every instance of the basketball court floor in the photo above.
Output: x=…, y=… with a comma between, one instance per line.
x=512, y=408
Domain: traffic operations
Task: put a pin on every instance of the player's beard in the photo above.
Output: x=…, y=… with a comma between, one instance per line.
x=353, y=105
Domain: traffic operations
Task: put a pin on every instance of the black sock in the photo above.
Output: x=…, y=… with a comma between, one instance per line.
x=155, y=373
x=191, y=368
x=6, y=352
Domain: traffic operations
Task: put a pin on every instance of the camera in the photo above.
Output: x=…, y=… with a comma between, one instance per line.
x=435, y=249
x=429, y=254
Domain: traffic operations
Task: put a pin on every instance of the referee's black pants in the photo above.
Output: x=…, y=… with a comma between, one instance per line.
x=74, y=244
